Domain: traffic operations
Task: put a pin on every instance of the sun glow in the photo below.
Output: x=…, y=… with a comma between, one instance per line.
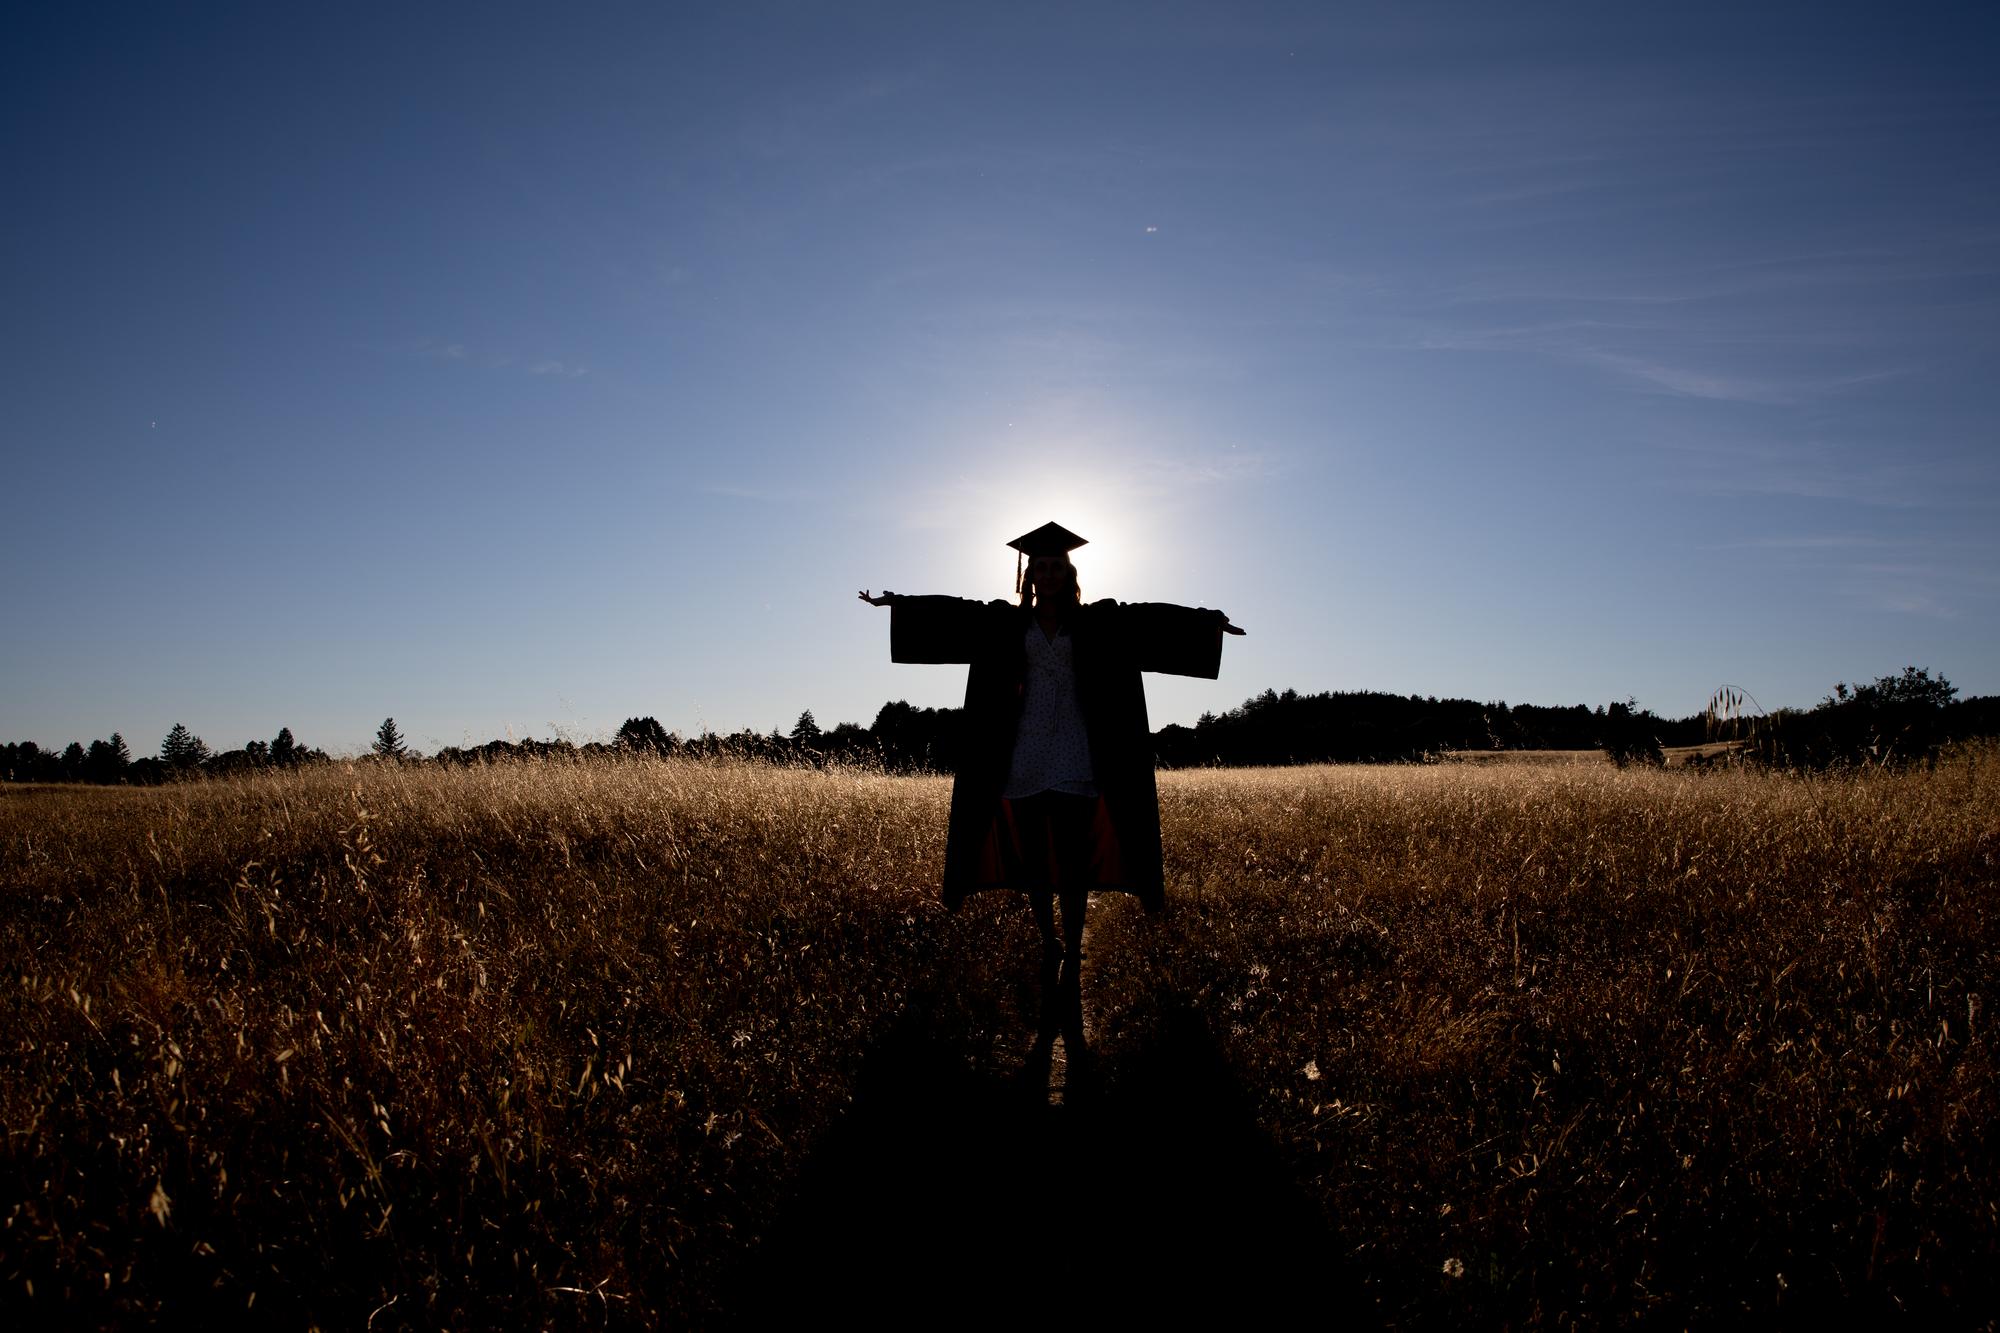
x=1107, y=565
x=1089, y=477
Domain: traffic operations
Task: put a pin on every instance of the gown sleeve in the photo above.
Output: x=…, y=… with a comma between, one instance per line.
x=1174, y=640
x=940, y=629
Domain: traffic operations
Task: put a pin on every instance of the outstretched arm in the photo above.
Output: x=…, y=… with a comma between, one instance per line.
x=937, y=629
x=1177, y=640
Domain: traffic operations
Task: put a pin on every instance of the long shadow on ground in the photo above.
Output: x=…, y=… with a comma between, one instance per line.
x=949, y=1196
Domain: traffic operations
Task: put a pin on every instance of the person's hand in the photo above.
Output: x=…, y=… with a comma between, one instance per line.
x=888, y=597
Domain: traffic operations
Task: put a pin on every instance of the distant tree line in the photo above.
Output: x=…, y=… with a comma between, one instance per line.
x=1895, y=719
x=182, y=754
x=1366, y=726
x=902, y=739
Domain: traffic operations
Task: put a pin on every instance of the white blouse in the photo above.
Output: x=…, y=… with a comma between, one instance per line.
x=1051, y=747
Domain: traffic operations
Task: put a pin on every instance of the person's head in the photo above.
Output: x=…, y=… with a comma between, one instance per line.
x=1050, y=580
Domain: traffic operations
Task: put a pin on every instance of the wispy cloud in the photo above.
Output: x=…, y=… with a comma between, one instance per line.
x=761, y=495
x=1647, y=351
x=1917, y=587
x=459, y=353
x=1667, y=378
x=1807, y=470
x=1845, y=542
x=1943, y=578
x=1688, y=381
x=1225, y=466
x=1912, y=259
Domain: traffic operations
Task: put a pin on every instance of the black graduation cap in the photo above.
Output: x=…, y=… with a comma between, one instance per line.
x=1048, y=539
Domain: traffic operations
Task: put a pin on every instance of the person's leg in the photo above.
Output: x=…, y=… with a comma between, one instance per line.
x=1075, y=902
x=1071, y=824
x=1074, y=877
x=1032, y=829
x=1045, y=921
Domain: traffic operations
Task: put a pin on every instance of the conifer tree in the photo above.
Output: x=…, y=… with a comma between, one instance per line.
x=284, y=750
x=389, y=741
x=182, y=748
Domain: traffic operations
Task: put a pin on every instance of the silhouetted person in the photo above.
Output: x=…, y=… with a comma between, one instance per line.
x=1054, y=793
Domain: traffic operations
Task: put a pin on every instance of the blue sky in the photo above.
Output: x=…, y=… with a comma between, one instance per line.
x=516, y=371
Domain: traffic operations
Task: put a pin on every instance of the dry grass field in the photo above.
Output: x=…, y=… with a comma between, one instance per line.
x=1675, y=756
x=557, y=1044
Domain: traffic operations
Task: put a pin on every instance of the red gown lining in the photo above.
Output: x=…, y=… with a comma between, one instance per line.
x=1107, y=864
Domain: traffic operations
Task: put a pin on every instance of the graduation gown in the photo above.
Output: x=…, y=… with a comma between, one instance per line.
x=1111, y=644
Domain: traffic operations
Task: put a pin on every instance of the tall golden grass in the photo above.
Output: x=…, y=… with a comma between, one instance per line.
x=550, y=1042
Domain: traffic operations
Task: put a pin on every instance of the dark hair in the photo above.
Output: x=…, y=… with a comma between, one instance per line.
x=1028, y=585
